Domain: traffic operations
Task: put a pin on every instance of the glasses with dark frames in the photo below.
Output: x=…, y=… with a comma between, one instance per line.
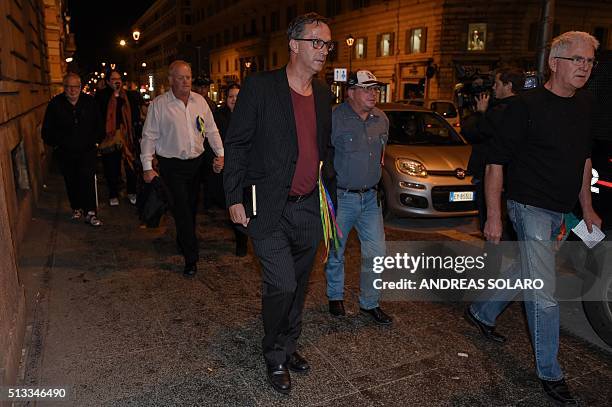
x=319, y=44
x=580, y=61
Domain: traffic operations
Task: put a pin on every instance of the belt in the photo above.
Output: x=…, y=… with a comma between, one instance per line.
x=299, y=198
x=359, y=191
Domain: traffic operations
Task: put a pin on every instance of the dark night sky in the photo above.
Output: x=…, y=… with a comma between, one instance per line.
x=98, y=26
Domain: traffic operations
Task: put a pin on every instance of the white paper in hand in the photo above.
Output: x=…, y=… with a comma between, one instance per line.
x=590, y=239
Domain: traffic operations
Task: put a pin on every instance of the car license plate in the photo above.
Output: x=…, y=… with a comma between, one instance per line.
x=461, y=196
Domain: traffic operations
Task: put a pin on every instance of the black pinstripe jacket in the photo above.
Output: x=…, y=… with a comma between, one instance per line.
x=261, y=145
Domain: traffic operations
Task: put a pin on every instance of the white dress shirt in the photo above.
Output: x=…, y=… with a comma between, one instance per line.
x=170, y=129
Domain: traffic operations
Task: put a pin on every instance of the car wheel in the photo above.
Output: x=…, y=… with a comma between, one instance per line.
x=597, y=295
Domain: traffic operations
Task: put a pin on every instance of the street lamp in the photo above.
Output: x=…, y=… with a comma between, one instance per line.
x=350, y=41
x=144, y=64
x=136, y=35
x=122, y=43
x=103, y=63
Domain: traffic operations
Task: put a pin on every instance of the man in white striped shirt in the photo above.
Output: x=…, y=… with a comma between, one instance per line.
x=177, y=123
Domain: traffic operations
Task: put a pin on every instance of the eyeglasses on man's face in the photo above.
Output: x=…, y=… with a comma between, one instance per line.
x=580, y=61
x=319, y=44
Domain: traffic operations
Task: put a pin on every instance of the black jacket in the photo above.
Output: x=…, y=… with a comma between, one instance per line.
x=479, y=130
x=261, y=145
x=72, y=129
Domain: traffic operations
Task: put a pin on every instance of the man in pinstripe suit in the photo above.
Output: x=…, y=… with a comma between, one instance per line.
x=279, y=132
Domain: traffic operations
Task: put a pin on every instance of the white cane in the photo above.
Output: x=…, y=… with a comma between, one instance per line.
x=96, y=188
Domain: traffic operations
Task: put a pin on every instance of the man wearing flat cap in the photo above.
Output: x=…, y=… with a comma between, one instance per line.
x=202, y=86
x=359, y=134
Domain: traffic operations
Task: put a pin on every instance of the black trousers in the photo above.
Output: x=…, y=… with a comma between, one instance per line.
x=112, y=172
x=182, y=177
x=79, y=171
x=287, y=256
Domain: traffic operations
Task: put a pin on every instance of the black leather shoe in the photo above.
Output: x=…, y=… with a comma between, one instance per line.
x=297, y=363
x=279, y=378
x=487, y=331
x=190, y=269
x=336, y=308
x=378, y=315
x=558, y=392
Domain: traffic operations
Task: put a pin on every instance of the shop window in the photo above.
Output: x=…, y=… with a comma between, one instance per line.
x=361, y=47
x=477, y=37
x=417, y=40
x=384, y=47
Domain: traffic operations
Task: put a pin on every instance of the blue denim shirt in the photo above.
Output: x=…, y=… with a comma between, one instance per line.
x=359, y=146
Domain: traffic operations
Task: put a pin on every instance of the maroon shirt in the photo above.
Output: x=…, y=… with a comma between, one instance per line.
x=307, y=167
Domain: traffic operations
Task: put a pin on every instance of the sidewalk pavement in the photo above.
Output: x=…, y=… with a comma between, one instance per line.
x=111, y=317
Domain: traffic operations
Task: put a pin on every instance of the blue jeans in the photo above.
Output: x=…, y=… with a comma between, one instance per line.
x=536, y=229
x=359, y=210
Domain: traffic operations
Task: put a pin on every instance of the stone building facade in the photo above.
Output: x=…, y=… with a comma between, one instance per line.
x=165, y=36
x=400, y=41
x=31, y=67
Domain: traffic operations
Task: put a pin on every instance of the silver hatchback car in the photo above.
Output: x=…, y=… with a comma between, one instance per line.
x=425, y=162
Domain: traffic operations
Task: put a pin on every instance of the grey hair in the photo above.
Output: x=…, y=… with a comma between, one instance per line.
x=296, y=26
x=564, y=41
x=70, y=75
x=176, y=64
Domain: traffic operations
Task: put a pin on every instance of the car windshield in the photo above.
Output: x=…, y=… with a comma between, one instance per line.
x=444, y=109
x=420, y=128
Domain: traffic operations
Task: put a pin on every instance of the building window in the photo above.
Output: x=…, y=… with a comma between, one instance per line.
x=361, y=46
x=226, y=36
x=235, y=33
x=219, y=66
x=334, y=7
x=384, y=47
x=274, y=59
x=477, y=37
x=274, y=21
x=235, y=64
x=227, y=65
x=291, y=13
x=263, y=24
x=253, y=27
x=417, y=40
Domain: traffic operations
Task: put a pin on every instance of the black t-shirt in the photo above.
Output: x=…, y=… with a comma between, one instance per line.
x=544, y=141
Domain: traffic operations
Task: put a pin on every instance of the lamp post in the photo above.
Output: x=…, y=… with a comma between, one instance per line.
x=350, y=41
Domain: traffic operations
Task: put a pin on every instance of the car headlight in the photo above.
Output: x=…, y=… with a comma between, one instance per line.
x=411, y=167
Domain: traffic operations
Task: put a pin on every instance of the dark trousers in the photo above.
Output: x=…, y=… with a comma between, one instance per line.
x=112, y=172
x=286, y=256
x=79, y=171
x=182, y=178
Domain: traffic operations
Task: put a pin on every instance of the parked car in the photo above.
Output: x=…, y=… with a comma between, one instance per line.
x=445, y=108
x=425, y=161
